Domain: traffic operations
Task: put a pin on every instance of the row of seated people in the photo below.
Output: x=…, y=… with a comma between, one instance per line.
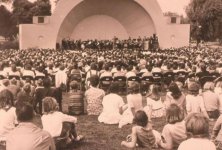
x=107, y=76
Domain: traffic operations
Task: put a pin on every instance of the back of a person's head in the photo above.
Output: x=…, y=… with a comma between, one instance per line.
x=130, y=68
x=107, y=67
x=118, y=67
x=61, y=67
x=14, y=81
x=208, y=86
x=49, y=104
x=156, y=90
x=197, y=126
x=193, y=88
x=203, y=67
x=174, y=114
x=27, y=87
x=74, y=85
x=93, y=66
x=46, y=82
x=134, y=88
x=6, y=98
x=175, y=90
x=140, y=118
x=94, y=80
x=24, y=112
x=114, y=88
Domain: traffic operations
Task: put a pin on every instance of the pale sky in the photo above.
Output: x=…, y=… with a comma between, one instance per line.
x=177, y=6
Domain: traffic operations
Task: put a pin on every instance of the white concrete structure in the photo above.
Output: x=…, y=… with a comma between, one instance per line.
x=103, y=19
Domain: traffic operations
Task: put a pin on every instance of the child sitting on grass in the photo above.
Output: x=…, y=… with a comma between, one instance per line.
x=142, y=133
x=58, y=124
x=155, y=106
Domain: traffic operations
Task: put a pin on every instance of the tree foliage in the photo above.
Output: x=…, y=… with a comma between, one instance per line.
x=206, y=19
x=22, y=13
x=7, y=29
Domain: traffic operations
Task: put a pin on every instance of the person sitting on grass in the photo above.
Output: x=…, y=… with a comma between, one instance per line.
x=197, y=128
x=155, y=106
x=94, y=97
x=194, y=101
x=113, y=106
x=134, y=102
x=175, y=96
x=27, y=136
x=59, y=125
x=174, y=132
x=142, y=133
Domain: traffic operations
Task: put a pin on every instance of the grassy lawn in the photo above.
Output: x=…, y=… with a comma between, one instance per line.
x=104, y=137
x=99, y=136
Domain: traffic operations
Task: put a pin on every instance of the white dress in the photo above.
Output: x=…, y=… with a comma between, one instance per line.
x=158, y=108
x=133, y=101
x=111, y=105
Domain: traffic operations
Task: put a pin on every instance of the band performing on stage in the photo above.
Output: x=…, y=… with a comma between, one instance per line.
x=145, y=43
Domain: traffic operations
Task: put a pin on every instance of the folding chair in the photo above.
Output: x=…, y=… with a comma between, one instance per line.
x=39, y=77
x=168, y=77
x=130, y=80
x=14, y=76
x=105, y=83
x=181, y=76
x=157, y=76
x=146, y=81
x=215, y=74
x=205, y=79
x=1, y=78
x=121, y=80
x=140, y=74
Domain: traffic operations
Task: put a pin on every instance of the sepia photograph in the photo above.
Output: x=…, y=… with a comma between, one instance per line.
x=110, y=74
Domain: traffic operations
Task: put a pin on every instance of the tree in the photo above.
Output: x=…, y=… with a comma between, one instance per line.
x=206, y=19
x=22, y=11
x=6, y=23
x=41, y=8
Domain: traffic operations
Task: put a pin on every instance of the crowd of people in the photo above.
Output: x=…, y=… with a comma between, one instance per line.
x=136, y=43
x=182, y=86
